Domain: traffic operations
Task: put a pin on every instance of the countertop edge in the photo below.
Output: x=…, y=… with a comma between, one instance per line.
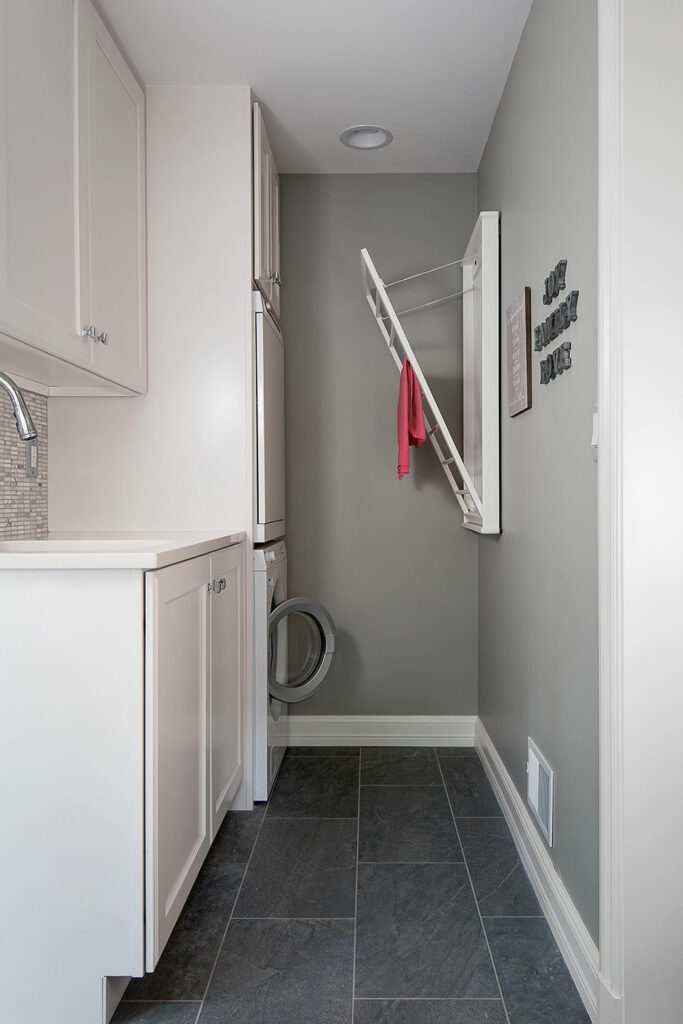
x=141, y=559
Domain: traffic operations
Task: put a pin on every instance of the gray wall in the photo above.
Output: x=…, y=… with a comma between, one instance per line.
x=538, y=656
x=390, y=560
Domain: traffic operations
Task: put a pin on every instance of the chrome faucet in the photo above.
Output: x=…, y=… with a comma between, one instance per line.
x=25, y=425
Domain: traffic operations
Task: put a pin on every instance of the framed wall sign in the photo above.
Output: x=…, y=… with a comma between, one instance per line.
x=518, y=329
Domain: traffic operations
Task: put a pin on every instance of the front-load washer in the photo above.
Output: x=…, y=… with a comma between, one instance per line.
x=295, y=642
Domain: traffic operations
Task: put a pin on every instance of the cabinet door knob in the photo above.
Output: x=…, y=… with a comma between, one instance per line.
x=103, y=338
x=222, y=584
x=89, y=332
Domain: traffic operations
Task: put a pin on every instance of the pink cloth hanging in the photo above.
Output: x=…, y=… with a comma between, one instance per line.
x=411, y=424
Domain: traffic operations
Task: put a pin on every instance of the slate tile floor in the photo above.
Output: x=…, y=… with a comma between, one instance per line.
x=379, y=886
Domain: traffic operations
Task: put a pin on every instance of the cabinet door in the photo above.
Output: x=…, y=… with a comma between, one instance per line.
x=227, y=603
x=263, y=163
x=112, y=165
x=38, y=175
x=177, y=742
x=275, y=238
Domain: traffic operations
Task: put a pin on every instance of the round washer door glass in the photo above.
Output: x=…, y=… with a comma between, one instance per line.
x=311, y=639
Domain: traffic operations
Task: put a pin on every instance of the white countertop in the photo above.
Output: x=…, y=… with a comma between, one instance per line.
x=111, y=550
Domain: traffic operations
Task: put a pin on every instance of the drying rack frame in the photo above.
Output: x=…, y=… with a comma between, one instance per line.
x=475, y=476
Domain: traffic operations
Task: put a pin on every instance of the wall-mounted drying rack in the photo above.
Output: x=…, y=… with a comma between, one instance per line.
x=475, y=475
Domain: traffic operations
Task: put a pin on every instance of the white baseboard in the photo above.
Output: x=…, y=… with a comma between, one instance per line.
x=576, y=945
x=382, y=730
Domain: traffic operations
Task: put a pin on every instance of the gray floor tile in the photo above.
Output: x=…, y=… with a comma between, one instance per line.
x=236, y=836
x=323, y=751
x=302, y=868
x=429, y=1011
x=500, y=882
x=316, y=787
x=469, y=790
x=399, y=766
x=283, y=972
x=419, y=934
x=407, y=823
x=537, y=987
x=156, y=1013
x=185, y=966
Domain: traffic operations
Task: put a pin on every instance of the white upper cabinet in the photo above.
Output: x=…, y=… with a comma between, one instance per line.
x=266, y=216
x=72, y=200
x=38, y=171
x=112, y=190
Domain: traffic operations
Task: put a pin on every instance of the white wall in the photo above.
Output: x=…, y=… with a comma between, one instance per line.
x=652, y=338
x=180, y=457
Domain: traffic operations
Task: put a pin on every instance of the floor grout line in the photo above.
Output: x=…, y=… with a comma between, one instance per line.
x=143, y=1002
x=355, y=909
x=429, y=999
x=310, y=817
x=474, y=895
x=400, y=785
x=237, y=896
x=310, y=917
x=410, y=863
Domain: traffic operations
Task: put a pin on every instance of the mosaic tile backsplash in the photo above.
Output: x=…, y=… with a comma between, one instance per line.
x=23, y=499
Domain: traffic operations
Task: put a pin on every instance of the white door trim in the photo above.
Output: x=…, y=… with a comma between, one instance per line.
x=610, y=229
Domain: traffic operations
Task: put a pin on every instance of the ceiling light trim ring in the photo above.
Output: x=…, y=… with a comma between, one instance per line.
x=366, y=137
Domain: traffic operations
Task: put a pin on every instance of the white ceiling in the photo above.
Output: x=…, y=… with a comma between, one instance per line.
x=432, y=71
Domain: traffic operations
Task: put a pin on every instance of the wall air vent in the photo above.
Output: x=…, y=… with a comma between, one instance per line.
x=540, y=790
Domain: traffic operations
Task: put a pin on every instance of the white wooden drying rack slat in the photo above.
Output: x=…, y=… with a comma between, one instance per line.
x=481, y=509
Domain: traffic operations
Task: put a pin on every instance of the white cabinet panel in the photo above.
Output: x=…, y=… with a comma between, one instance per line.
x=263, y=159
x=266, y=202
x=177, y=742
x=227, y=600
x=275, y=237
x=112, y=117
x=72, y=198
x=38, y=174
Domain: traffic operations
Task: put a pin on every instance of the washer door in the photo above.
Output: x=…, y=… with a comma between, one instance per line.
x=311, y=646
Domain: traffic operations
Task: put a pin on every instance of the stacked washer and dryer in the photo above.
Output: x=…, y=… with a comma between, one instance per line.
x=295, y=639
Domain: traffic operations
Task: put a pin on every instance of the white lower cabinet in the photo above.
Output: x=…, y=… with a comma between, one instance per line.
x=176, y=742
x=132, y=708
x=193, y=725
x=226, y=711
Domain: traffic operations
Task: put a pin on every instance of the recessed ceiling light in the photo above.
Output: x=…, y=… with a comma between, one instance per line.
x=366, y=136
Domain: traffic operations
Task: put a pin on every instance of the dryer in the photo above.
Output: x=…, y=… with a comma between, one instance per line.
x=295, y=643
